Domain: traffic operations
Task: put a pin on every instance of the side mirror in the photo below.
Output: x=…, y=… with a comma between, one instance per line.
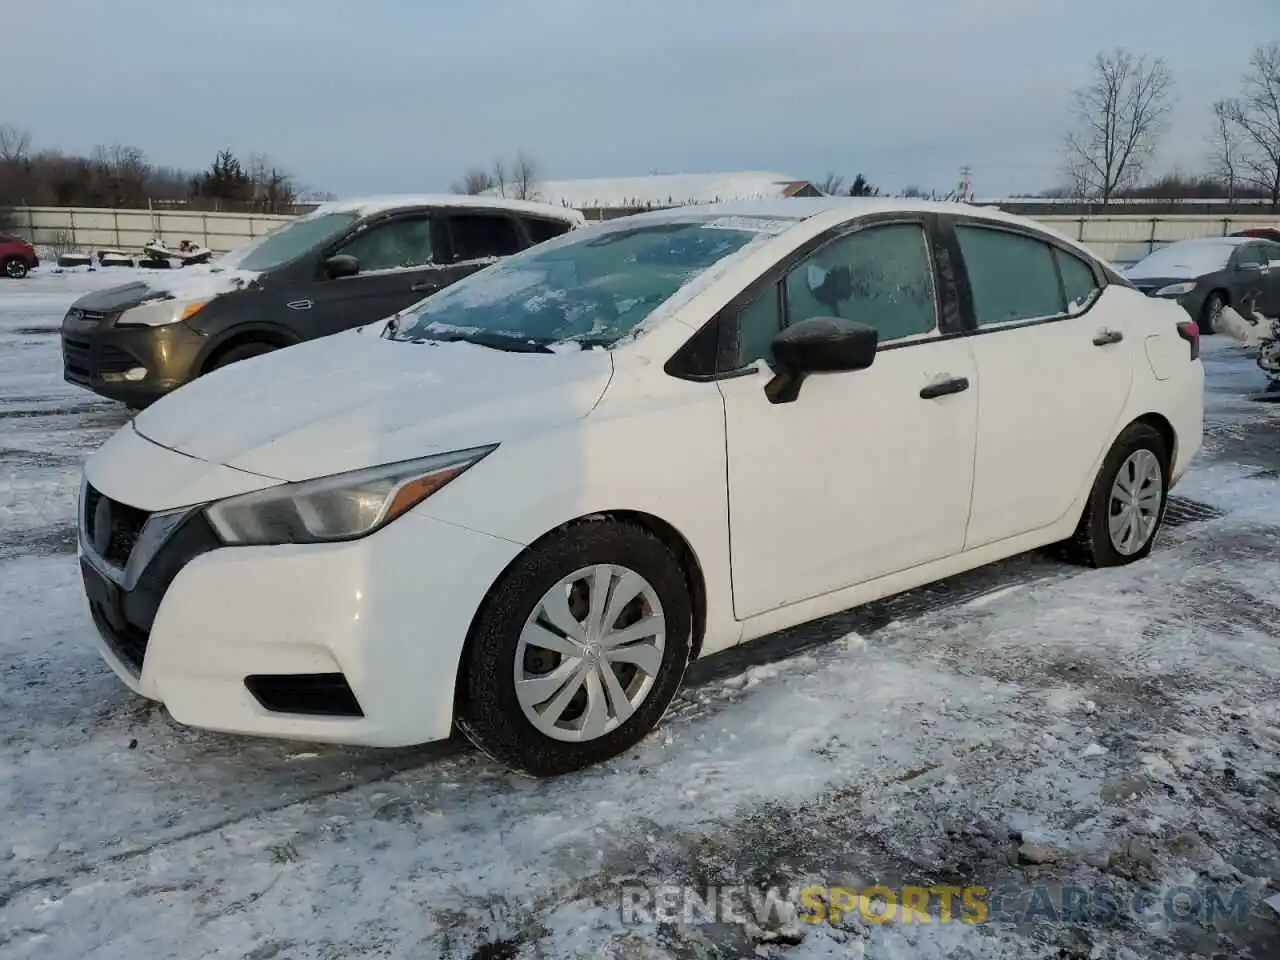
x=818, y=345
x=341, y=265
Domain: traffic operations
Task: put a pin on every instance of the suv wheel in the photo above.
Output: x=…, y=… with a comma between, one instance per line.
x=240, y=352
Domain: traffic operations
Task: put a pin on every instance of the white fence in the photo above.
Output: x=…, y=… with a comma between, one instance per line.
x=86, y=228
x=1120, y=238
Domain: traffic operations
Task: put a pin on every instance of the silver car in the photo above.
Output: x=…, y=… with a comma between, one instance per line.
x=1208, y=275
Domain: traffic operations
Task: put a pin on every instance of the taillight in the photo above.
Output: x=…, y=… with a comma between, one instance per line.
x=1189, y=331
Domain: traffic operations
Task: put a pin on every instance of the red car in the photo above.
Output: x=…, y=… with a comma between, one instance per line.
x=16, y=256
x=1263, y=233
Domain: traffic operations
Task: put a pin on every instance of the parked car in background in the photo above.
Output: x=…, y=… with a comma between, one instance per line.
x=1205, y=276
x=1260, y=233
x=527, y=503
x=343, y=265
x=17, y=257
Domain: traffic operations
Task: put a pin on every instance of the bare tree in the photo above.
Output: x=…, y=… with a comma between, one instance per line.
x=500, y=176
x=1256, y=117
x=474, y=181
x=832, y=184
x=15, y=144
x=1226, y=146
x=1119, y=119
x=524, y=177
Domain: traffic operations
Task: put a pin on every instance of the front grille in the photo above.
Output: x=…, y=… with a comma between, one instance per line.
x=128, y=642
x=124, y=526
x=81, y=360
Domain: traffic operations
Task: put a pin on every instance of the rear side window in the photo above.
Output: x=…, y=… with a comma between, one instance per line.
x=1013, y=277
x=480, y=236
x=541, y=230
x=1078, y=281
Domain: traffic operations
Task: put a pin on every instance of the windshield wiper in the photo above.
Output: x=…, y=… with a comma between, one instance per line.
x=496, y=341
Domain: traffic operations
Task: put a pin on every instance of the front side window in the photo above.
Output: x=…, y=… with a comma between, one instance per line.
x=1251, y=255
x=395, y=245
x=1013, y=277
x=881, y=276
x=1272, y=251
x=482, y=236
x=593, y=286
x=288, y=242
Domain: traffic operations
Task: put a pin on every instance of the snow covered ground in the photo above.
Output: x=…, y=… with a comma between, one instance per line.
x=1031, y=724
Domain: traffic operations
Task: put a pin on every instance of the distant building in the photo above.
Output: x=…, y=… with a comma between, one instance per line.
x=603, y=196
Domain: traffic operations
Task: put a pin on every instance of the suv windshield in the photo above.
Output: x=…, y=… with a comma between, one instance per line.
x=593, y=287
x=288, y=242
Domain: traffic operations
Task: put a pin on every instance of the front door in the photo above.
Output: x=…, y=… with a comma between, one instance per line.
x=398, y=267
x=1252, y=279
x=1054, y=356
x=866, y=472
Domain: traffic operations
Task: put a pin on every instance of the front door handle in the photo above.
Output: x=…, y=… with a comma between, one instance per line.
x=1107, y=337
x=942, y=388
x=425, y=286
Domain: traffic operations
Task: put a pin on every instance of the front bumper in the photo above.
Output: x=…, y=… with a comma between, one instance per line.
x=355, y=642
x=134, y=365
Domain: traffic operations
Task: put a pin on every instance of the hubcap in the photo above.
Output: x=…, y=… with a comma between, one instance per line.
x=589, y=653
x=1135, y=502
x=14, y=269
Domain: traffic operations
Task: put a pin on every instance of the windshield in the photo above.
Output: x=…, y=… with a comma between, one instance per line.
x=1184, y=260
x=594, y=287
x=288, y=242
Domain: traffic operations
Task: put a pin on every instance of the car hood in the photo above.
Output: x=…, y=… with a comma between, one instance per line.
x=356, y=400
x=186, y=283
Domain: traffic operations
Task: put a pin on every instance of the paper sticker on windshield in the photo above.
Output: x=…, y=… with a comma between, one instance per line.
x=751, y=224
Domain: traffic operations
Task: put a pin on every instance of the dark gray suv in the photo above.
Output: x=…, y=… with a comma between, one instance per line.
x=1207, y=275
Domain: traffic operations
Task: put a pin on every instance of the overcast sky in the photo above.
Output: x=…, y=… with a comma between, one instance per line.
x=400, y=95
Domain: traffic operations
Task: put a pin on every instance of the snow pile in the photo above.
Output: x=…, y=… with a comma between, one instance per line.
x=1248, y=331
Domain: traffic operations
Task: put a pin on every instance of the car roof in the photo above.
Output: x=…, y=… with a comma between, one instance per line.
x=368, y=206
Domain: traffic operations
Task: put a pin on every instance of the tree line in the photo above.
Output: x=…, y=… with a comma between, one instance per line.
x=122, y=176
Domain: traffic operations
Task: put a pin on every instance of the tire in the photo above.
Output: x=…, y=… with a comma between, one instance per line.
x=240, y=352
x=1093, y=544
x=1214, y=304
x=15, y=268
x=491, y=713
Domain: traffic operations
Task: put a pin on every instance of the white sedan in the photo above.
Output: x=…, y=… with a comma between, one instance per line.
x=521, y=507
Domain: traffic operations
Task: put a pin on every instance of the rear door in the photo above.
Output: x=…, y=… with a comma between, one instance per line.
x=1054, y=360
x=398, y=267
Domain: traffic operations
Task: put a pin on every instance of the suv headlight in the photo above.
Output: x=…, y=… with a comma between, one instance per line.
x=1175, y=289
x=160, y=313
x=341, y=507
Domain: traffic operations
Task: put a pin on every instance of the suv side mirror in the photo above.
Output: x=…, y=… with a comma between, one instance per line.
x=341, y=265
x=818, y=345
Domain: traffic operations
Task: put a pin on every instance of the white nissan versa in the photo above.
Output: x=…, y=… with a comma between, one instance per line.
x=523, y=505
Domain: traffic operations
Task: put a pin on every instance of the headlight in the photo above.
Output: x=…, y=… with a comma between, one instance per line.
x=1175, y=289
x=160, y=313
x=340, y=507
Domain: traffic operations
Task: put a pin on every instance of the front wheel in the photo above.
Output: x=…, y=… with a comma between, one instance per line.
x=242, y=352
x=578, y=650
x=1212, y=312
x=15, y=269
x=1126, y=505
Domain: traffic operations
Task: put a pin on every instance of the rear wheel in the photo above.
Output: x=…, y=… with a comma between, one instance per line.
x=1126, y=505
x=1212, y=312
x=15, y=269
x=240, y=352
x=578, y=651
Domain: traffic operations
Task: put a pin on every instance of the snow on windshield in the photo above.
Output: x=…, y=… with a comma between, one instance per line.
x=1185, y=260
x=594, y=288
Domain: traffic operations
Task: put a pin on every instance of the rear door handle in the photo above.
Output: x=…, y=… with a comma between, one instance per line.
x=942, y=388
x=1107, y=337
